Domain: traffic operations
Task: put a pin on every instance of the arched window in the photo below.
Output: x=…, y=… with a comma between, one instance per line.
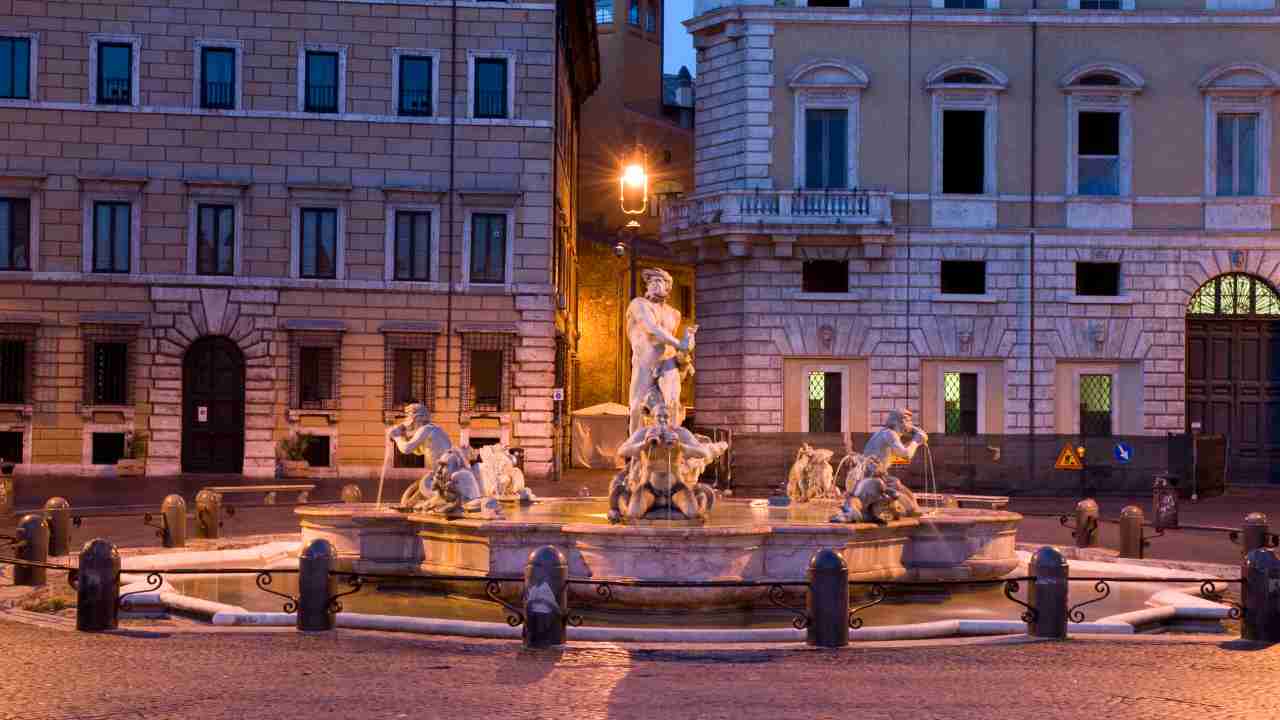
x=1099, y=79
x=1235, y=294
x=968, y=78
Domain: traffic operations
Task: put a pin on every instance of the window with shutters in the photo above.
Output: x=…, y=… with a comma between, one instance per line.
x=112, y=237
x=488, y=364
x=826, y=149
x=15, y=234
x=314, y=370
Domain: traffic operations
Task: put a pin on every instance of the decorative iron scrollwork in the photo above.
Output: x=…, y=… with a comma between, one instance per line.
x=264, y=579
x=356, y=583
x=778, y=596
x=1101, y=587
x=154, y=582
x=877, y=596
x=493, y=590
x=1010, y=589
x=1209, y=591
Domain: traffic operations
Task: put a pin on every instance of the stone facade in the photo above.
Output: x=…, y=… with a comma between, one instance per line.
x=267, y=158
x=751, y=225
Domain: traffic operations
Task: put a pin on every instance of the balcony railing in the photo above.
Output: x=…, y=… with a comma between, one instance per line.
x=322, y=98
x=778, y=208
x=415, y=102
x=115, y=91
x=219, y=95
x=491, y=104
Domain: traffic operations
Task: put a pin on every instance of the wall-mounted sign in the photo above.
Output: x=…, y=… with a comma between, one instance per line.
x=202, y=413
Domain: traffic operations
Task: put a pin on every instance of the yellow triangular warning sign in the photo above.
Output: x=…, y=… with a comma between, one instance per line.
x=1068, y=460
x=895, y=460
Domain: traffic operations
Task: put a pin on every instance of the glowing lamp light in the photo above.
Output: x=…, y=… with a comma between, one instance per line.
x=635, y=190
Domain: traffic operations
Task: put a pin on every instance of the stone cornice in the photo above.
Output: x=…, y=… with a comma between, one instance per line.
x=943, y=17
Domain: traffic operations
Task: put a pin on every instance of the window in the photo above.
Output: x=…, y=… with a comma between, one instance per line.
x=218, y=78
x=1237, y=154
x=1095, y=405
x=964, y=277
x=315, y=376
x=1098, y=159
x=486, y=379
x=487, y=365
x=829, y=3
x=321, y=82
x=604, y=12
x=1099, y=4
x=112, y=224
x=491, y=88
x=1098, y=278
x=108, y=448
x=826, y=148
x=14, y=371
x=650, y=18
x=15, y=69
x=413, y=246
x=964, y=147
x=15, y=234
x=110, y=379
x=318, y=452
x=965, y=4
x=410, y=367
x=11, y=446
x=415, y=85
x=960, y=403
x=825, y=409
x=215, y=240
x=633, y=12
x=489, y=248
x=318, y=249
x=825, y=276
x=115, y=74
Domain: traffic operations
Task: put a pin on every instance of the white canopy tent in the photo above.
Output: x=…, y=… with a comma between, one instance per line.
x=597, y=432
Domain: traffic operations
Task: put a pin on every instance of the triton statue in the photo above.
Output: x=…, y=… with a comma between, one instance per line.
x=871, y=493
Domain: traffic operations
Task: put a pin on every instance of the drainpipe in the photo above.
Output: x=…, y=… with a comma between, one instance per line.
x=450, y=200
x=1035, y=74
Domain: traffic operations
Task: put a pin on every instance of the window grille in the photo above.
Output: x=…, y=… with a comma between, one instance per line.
x=115, y=74
x=16, y=345
x=1234, y=294
x=481, y=352
x=960, y=400
x=1095, y=405
x=108, y=364
x=218, y=78
x=415, y=86
x=491, y=88
x=321, y=82
x=825, y=397
x=315, y=369
x=409, y=374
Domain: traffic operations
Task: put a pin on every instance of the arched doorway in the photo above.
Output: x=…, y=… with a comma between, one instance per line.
x=213, y=407
x=1233, y=371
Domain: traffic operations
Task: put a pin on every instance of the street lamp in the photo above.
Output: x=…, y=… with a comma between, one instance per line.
x=634, y=197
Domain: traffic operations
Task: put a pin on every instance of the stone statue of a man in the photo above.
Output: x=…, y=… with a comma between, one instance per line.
x=416, y=435
x=877, y=496
x=658, y=357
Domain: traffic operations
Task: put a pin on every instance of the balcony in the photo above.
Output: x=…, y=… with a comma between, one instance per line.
x=783, y=212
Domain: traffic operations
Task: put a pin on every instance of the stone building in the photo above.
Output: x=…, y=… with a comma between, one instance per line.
x=1052, y=216
x=224, y=224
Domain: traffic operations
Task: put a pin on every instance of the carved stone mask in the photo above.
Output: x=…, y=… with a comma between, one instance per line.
x=827, y=336
x=1097, y=333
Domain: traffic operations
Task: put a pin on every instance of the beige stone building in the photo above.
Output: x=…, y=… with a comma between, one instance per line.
x=225, y=224
x=1008, y=216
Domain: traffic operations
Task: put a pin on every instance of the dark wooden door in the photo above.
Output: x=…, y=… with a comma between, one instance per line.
x=213, y=407
x=1233, y=389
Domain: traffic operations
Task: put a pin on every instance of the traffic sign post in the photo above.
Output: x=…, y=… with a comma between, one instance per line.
x=1068, y=459
x=1124, y=452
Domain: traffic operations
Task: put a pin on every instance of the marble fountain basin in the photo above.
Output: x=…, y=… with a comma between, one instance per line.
x=742, y=540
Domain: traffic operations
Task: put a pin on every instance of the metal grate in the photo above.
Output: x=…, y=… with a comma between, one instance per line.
x=488, y=366
x=1095, y=405
x=409, y=374
x=16, y=344
x=108, y=365
x=817, y=400
x=1235, y=294
x=315, y=369
x=960, y=401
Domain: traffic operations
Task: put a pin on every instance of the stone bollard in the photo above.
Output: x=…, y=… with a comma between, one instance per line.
x=1261, y=595
x=57, y=511
x=1254, y=533
x=1048, y=594
x=1086, y=531
x=208, y=514
x=351, y=493
x=33, y=546
x=828, y=601
x=316, y=587
x=1132, y=542
x=173, y=522
x=98, y=587
x=546, y=598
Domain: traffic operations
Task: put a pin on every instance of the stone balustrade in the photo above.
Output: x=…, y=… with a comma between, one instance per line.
x=774, y=210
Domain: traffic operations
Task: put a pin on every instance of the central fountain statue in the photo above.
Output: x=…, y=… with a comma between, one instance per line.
x=664, y=460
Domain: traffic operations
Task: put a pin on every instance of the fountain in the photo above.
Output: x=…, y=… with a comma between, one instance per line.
x=659, y=522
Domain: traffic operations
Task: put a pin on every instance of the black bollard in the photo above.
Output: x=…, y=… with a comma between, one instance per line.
x=33, y=546
x=546, y=598
x=316, y=587
x=1048, y=594
x=351, y=493
x=57, y=512
x=173, y=522
x=1261, y=595
x=1132, y=542
x=208, y=514
x=828, y=601
x=98, y=587
x=1086, y=531
x=1255, y=533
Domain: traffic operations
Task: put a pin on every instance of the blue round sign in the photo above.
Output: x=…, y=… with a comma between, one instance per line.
x=1124, y=453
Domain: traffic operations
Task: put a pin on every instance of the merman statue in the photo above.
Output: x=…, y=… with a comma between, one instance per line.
x=873, y=495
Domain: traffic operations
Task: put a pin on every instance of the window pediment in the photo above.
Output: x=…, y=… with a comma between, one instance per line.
x=1253, y=78
x=966, y=75
x=828, y=73
x=1103, y=78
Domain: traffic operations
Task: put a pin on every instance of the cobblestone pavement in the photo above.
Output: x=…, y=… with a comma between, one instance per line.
x=50, y=674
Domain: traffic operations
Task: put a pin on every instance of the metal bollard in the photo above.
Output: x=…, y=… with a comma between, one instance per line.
x=1086, y=530
x=173, y=522
x=57, y=511
x=98, y=587
x=1261, y=595
x=1164, y=502
x=316, y=587
x=1132, y=542
x=1255, y=533
x=546, y=598
x=33, y=546
x=1048, y=594
x=351, y=493
x=828, y=601
x=208, y=514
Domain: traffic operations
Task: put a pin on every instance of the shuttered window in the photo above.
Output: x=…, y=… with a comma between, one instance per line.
x=489, y=248
x=15, y=234
x=826, y=149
